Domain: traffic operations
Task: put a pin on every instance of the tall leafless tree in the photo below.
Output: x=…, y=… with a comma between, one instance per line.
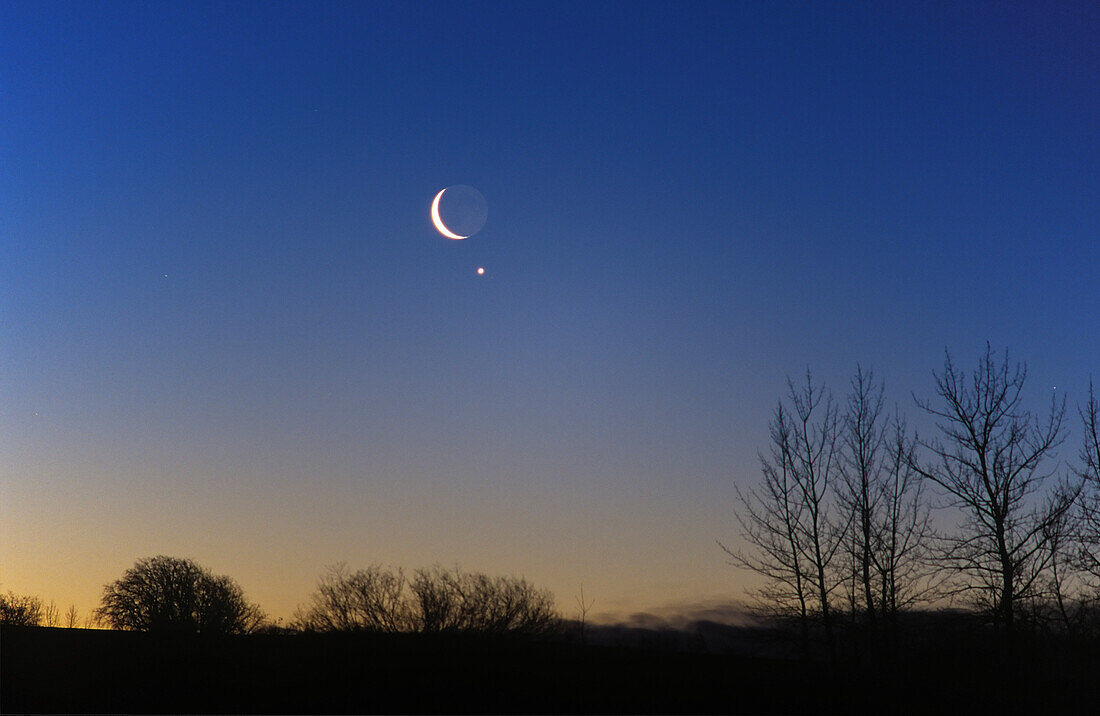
x=992, y=460
x=770, y=518
x=814, y=460
x=1063, y=597
x=1088, y=555
x=902, y=533
x=1082, y=531
x=788, y=522
x=50, y=614
x=863, y=437
x=583, y=606
x=889, y=521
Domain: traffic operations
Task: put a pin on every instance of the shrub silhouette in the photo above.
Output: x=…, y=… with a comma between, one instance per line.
x=371, y=599
x=434, y=600
x=474, y=602
x=17, y=610
x=170, y=594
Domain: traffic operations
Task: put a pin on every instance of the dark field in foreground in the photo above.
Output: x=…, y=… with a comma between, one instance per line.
x=60, y=670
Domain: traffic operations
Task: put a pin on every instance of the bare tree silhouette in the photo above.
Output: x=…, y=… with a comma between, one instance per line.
x=71, y=617
x=1089, y=470
x=92, y=620
x=50, y=615
x=902, y=536
x=770, y=518
x=451, y=600
x=434, y=600
x=863, y=437
x=889, y=518
x=1063, y=591
x=584, y=606
x=371, y=599
x=1084, y=529
x=992, y=463
x=788, y=522
x=170, y=594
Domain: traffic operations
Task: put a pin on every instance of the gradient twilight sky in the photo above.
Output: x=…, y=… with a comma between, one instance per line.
x=229, y=332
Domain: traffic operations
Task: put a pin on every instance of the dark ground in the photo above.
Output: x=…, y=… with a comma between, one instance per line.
x=91, y=671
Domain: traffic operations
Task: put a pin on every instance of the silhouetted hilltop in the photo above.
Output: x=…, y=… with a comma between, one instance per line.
x=72, y=670
x=60, y=670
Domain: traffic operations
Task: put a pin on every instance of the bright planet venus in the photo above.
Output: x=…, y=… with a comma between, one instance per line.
x=459, y=211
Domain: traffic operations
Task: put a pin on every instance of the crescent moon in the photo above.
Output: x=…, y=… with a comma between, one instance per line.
x=439, y=225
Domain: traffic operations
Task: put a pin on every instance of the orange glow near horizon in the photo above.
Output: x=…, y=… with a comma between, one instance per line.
x=276, y=539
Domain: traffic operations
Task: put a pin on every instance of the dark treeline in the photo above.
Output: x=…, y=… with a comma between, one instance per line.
x=172, y=595
x=847, y=523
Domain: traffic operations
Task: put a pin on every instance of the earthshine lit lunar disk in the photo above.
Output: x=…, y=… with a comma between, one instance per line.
x=439, y=225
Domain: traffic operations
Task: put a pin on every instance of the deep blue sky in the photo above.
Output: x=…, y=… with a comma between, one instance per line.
x=228, y=330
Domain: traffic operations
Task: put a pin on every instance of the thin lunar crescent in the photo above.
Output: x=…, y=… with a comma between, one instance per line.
x=439, y=225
